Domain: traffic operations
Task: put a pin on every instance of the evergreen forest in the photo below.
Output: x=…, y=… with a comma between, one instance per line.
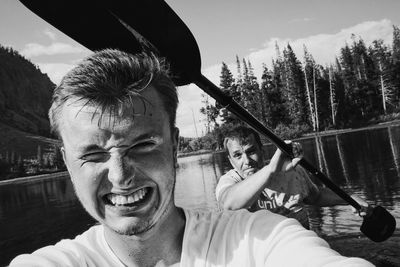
x=298, y=96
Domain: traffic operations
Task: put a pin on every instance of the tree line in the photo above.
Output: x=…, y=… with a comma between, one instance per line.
x=13, y=165
x=361, y=87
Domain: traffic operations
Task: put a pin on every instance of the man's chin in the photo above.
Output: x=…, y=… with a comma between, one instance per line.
x=129, y=229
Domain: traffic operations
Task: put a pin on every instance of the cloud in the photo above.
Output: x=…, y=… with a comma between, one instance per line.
x=55, y=71
x=188, y=113
x=50, y=34
x=34, y=49
x=323, y=47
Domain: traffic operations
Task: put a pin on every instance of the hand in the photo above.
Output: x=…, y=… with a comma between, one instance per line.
x=365, y=207
x=280, y=162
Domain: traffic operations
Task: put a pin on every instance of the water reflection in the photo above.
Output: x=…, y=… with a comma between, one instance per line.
x=197, y=178
x=39, y=213
x=366, y=163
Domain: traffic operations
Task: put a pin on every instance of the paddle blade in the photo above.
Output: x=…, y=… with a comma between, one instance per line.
x=89, y=24
x=131, y=26
x=164, y=29
x=379, y=225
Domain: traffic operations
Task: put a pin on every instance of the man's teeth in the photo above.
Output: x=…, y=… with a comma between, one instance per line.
x=127, y=199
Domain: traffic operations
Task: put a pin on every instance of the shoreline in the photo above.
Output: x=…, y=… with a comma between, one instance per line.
x=349, y=130
x=305, y=136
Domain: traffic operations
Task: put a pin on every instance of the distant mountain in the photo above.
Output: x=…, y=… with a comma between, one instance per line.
x=25, y=94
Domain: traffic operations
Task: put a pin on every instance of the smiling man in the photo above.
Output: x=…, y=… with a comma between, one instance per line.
x=115, y=114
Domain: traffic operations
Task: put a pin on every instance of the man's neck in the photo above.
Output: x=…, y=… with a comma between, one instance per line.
x=163, y=243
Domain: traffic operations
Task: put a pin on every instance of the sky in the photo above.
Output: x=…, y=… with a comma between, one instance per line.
x=223, y=29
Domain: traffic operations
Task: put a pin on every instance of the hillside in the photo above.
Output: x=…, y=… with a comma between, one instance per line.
x=25, y=94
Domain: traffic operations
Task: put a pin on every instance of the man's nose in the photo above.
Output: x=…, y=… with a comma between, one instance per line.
x=246, y=159
x=121, y=172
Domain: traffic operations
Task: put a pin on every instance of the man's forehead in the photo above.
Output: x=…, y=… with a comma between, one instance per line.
x=239, y=142
x=149, y=119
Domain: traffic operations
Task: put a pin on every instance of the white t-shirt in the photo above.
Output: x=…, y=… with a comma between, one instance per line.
x=226, y=238
x=286, y=193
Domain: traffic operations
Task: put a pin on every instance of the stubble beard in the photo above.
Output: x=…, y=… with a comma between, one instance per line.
x=137, y=229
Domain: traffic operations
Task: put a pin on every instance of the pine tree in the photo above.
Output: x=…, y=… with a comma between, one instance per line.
x=380, y=55
x=365, y=94
x=272, y=103
x=395, y=72
x=251, y=90
x=239, y=71
x=227, y=84
x=210, y=112
x=245, y=93
x=295, y=88
x=325, y=96
x=369, y=93
x=226, y=78
x=351, y=107
x=340, y=94
x=332, y=95
x=281, y=116
x=309, y=81
x=239, y=84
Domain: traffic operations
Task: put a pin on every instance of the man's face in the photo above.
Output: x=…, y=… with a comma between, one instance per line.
x=245, y=156
x=123, y=170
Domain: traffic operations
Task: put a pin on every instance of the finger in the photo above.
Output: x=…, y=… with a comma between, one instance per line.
x=297, y=149
x=296, y=161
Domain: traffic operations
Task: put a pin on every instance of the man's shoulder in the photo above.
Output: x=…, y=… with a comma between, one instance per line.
x=88, y=246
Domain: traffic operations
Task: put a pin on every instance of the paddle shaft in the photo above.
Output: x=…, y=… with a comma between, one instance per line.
x=229, y=103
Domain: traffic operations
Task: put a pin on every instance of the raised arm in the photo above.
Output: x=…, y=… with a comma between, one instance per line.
x=236, y=193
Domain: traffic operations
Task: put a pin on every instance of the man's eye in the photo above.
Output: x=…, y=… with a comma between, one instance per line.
x=143, y=146
x=237, y=156
x=95, y=157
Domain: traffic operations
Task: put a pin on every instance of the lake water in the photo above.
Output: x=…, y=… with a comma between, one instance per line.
x=367, y=163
